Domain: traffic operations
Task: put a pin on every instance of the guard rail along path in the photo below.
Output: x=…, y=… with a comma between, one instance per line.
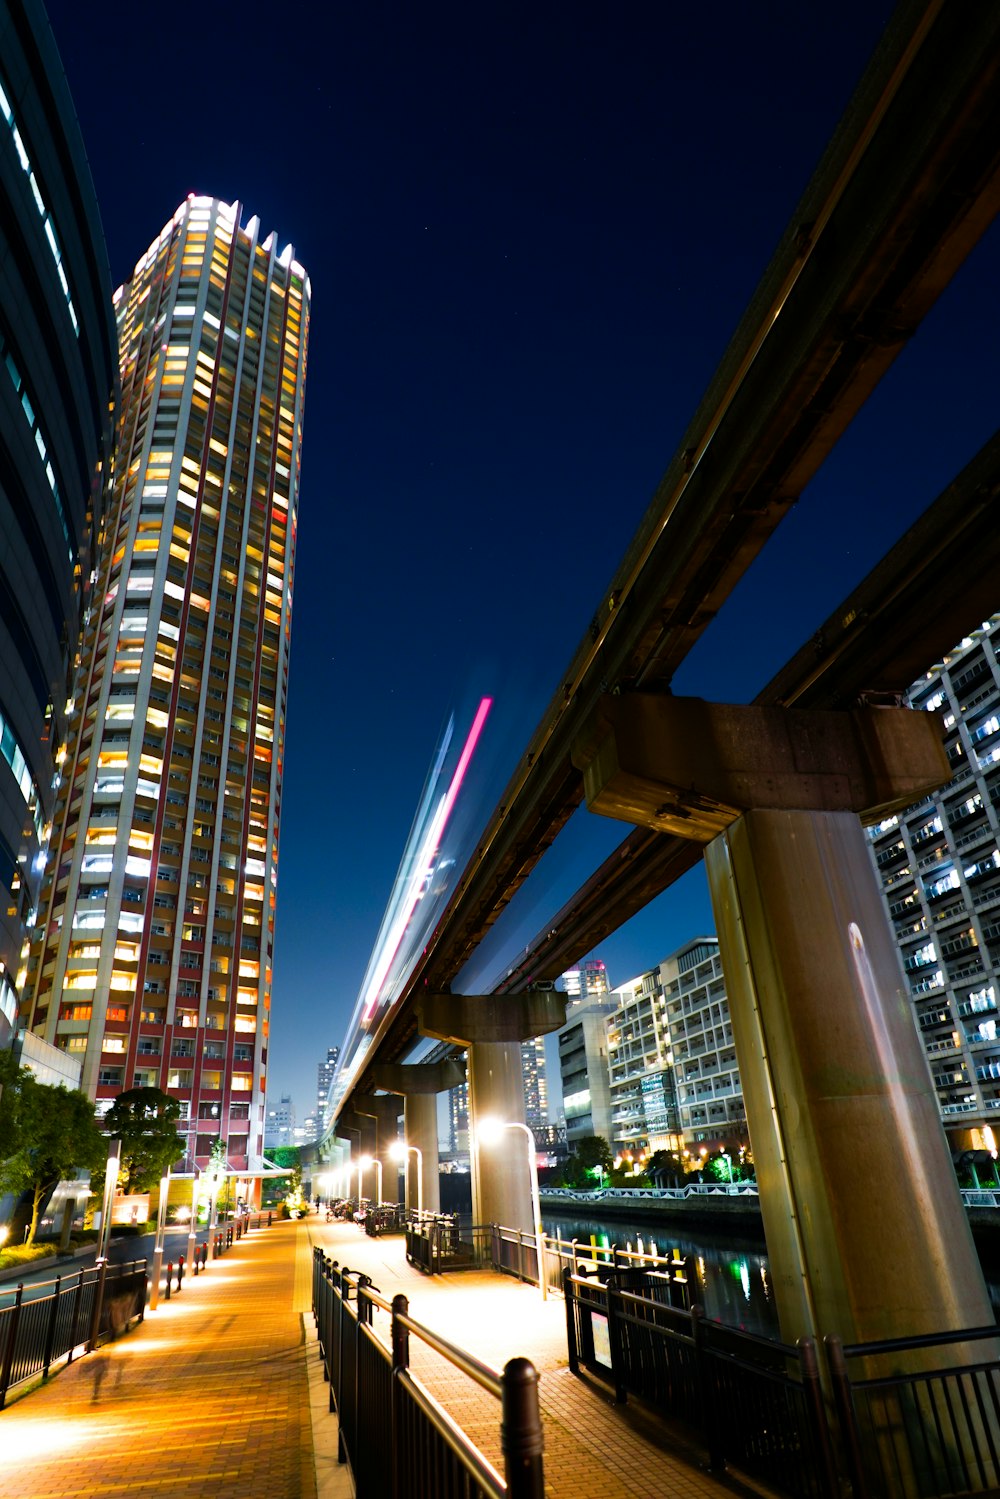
x=75, y=1315
x=400, y=1443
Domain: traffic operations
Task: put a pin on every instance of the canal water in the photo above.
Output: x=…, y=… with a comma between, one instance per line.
x=729, y=1274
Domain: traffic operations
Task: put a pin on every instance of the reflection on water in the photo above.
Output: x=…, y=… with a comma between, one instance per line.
x=729, y=1275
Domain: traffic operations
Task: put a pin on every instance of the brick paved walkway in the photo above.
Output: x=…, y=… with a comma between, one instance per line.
x=593, y=1448
x=211, y=1397
x=207, y=1399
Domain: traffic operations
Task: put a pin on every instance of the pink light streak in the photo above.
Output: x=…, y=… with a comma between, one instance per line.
x=428, y=850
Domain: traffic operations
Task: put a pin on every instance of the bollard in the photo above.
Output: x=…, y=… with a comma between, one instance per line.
x=521, y=1430
x=170, y=1272
x=195, y=1265
x=269, y=1220
x=180, y=1271
x=204, y=1256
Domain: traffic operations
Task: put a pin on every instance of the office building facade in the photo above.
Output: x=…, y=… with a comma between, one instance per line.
x=58, y=384
x=710, y=1107
x=583, y=1068
x=939, y=867
x=153, y=956
x=644, y=1114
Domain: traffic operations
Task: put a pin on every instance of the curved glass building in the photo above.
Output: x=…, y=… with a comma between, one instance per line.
x=58, y=379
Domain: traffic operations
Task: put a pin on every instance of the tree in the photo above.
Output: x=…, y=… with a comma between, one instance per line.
x=590, y=1164
x=53, y=1133
x=143, y=1119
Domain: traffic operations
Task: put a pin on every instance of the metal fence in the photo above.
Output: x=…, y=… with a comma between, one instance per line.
x=400, y=1443
x=933, y=1431
x=39, y=1326
x=909, y=1417
x=752, y=1402
x=436, y=1242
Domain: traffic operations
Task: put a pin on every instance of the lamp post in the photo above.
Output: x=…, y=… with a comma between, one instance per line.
x=488, y=1131
x=110, y=1183
x=399, y=1152
x=161, y=1223
x=725, y=1156
x=193, y=1225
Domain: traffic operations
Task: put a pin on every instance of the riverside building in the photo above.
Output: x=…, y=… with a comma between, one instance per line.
x=58, y=380
x=153, y=956
x=939, y=866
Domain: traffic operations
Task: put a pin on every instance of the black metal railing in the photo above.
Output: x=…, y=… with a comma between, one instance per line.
x=52, y=1320
x=436, y=1242
x=932, y=1431
x=387, y=1218
x=400, y=1443
x=753, y=1402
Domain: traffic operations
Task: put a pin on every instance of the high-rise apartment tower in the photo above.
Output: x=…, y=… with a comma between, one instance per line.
x=155, y=932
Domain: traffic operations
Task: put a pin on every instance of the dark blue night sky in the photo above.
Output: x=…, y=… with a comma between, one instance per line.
x=530, y=231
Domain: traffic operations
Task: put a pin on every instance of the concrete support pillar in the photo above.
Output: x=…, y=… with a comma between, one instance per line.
x=492, y=1026
x=420, y=1083
x=501, y=1184
x=866, y=1233
x=385, y=1109
x=420, y=1124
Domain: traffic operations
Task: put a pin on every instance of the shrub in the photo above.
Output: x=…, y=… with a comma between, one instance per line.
x=23, y=1254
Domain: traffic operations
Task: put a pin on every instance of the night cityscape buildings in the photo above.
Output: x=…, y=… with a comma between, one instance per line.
x=152, y=960
x=939, y=866
x=58, y=382
x=324, y=1081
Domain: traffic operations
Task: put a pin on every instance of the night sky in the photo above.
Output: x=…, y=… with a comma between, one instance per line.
x=530, y=232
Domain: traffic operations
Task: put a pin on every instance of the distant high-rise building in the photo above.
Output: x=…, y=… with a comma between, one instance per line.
x=644, y=1113
x=939, y=866
x=324, y=1081
x=583, y=1066
x=587, y=980
x=536, y=1093
x=58, y=386
x=458, y=1120
x=153, y=956
x=279, y=1128
x=709, y=1092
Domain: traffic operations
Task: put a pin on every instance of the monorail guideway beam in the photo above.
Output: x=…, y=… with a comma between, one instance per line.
x=828, y=1053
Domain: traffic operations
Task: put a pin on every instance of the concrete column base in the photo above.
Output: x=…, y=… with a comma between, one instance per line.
x=866, y=1233
x=421, y=1127
x=501, y=1188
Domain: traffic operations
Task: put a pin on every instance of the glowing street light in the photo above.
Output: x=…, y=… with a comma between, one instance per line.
x=488, y=1132
x=399, y=1152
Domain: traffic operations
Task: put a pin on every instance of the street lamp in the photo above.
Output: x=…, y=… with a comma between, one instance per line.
x=161, y=1223
x=725, y=1156
x=488, y=1132
x=399, y=1152
x=364, y=1162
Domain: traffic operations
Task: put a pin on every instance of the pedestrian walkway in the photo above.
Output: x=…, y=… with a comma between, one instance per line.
x=207, y=1399
x=219, y=1393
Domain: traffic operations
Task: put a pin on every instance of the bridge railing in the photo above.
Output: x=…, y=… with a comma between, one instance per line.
x=911, y=1416
x=45, y=1325
x=400, y=1443
x=754, y=1402
x=932, y=1432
